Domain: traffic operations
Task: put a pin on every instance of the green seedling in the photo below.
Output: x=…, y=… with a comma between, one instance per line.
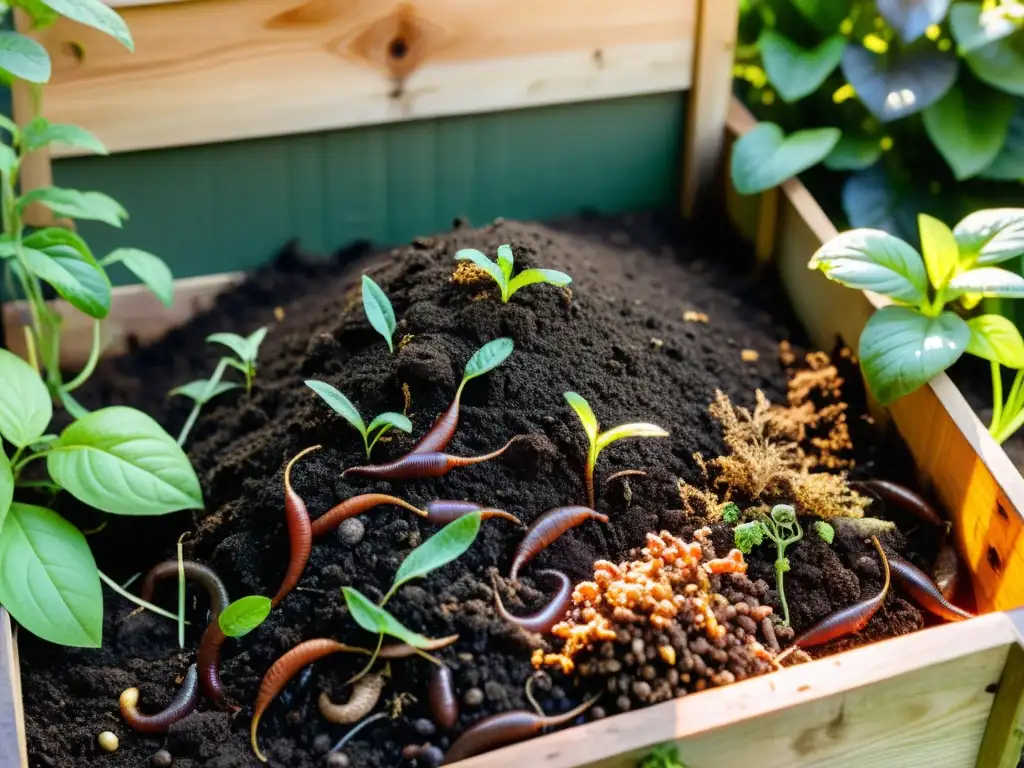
x=782, y=528
x=243, y=615
x=599, y=441
x=246, y=349
x=825, y=531
x=918, y=335
x=501, y=272
x=378, y=311
x=344, y=407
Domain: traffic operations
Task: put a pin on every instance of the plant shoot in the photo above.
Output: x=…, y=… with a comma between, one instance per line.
x=378, y=311
x=244, y=615
x=501, y=272
x=344, y=408
x=783, y=529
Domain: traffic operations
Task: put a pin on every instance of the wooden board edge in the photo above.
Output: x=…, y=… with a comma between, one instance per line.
x=1004, y=733
x=629, y=736
x=13, y=748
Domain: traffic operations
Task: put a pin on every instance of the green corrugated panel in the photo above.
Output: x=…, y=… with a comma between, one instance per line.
x=230, y=206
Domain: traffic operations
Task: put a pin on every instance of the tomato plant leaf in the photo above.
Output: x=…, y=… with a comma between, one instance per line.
x=910, y=18
x=873, y=260
x=969, y=127
x=25, y=404
x=379, y=311
x=899, y=83
x=995, y=338
x=243, y=615
x=991, y=236
x=150, y=269
x=24, y=58
x=765, y=157
x=795, y=71
x=375, y=619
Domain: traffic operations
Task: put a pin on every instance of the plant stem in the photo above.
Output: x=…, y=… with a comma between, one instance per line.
x=1008, y=429
x=16, y=468
x=779, y=571
x=16, y=456
x=90, y=364
x=218, y=373
x=371, y=662
x=588, y=475
x=181, y=596
x=1015, y=400
x=997, y=399
x=348, y=736
x=137, y=600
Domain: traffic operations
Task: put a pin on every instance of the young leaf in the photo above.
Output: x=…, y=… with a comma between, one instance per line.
x=341, y=404
x=492, y=269
x=901, y=82
x=375, y=619
x=969, y=127
x=91, y=206
x=531, y=276
x=25, y=404
x=825, y=531
x=197, y=390
x=731, y=513
x=252, y=345
x=854, y=153
x=6, y=487
x=57, y=240
x=93, y=13
x=901, y=349
x=82, y=283
x=585, y=413
x=973, y=29
x=150, y=269
x=121, y=461
x=237, y=344
x=765, y=157
x=379, y=311
x=506, y=260
x=910, y=18
x=873, y=260
x=42, y=133
x=795, y=71
x=24, y=58
x=1000, y=64
x=784, y=514
x=988, y=282
x=443, y=547
x=825, y=15
x=628, y=430
x=390, y=419
x=991, y=236
x=48, y=578
x=488, y=357
x=1008, y=165
x=941, y=253
x=244, y=615
x=748, y=535
x=995, y=338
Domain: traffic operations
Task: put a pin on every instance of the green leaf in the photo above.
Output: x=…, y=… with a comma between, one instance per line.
x=784, y=514
x=989, y=282
x=6, y=487
x=873, y=260
x=24, y=58
x=506, y=260
x=390, y=419
x=150, y=269
x=448, y=544
x=42, y=133
x=871, y=199
x=237, y=344
x=825, y=531
x=48, y=578
x=969, y=127
x=378, y=310
x=91, y=206
x=585, y=413
x=973, y=29
x=253, y=342
x=531, y=276
x=910, y=18
x=628, y=430
x=854, y=153
x=82, y=283
x=488, y=357
x=991, y=236
x=940, y=249
x=1008, y=165
x=46, y=240
x=1000, y=63
x=492, y=269
x=121, y=461
x=765, y=157
x=825, y=15
x=748, y=535
x=731, y=513
x=197, y=390
x=93, y=13
x=375, y=619
x=901, y=349
x=899, y=83
x=995, y=338
x=795, y=71
x=25, y=405
x=243, y=615
x=341, y=404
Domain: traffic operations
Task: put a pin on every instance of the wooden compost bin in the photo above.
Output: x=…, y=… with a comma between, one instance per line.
x=949, y=696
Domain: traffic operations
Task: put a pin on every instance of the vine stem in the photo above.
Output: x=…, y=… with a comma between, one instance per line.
x=90, y=365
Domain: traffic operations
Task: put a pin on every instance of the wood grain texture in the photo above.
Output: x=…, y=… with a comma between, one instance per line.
x=222, y=70
x=916, y=700
x=1004, y=737
x=956, y=457
x=13, y=752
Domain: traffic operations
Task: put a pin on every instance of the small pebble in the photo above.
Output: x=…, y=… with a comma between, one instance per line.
x=431, y=756
x=162, y=759
x=597, y=713
x=474, y=697
x=351, y=531
x=321, y=743
x=337, y=760
x=424, y=727
x=108, y=741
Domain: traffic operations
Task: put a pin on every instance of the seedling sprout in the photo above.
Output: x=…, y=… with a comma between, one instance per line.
x=344, y=407
x=501, y=272
x=378, y=311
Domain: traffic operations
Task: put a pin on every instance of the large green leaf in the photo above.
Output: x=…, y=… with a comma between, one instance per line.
x=443, y=547
x=48, y=578
x=797, y=72
x=901, y=349
x=374, y=619
x=973, y=29
x=488, y=357
x=873, y=260
x=25, y=405
x=939, y=248
x=910, y=18
x=991, y=236
x=90, y=206
x=765, y=157
x=995, y=338
x=24, y=58
x=969, y=127
x=987, y=282
x=150, y=269
x=243, y=615
x=6, y=487
x=379, y=310
x=341, y=404
x=899, y=83
x=47, y=239
x=42, y=133
x=82, y=283
x=1000, y=63
x=1008, y=165
x=93, y=13
x=121, y=461
x=854, y=153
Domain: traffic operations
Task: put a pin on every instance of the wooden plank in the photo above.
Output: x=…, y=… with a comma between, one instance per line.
x=221, y=70
x=13, y=752
x=957, y=459
x=1004, y=733
x=709, y=100
x=919, y=699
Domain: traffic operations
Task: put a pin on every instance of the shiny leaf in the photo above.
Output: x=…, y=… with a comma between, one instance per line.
x=586, y=415
x=488, y=357
x=25, y=404
x=995, y=338
x=243, y=615
x=375, y=619
x=898, y=83
x=939, y=248
x=379, y=311
x=969, y=128
x=910, y=18
x=341, y=404
x=873, y=260
x=765, y=157
x=991, y=236
x=797, y=72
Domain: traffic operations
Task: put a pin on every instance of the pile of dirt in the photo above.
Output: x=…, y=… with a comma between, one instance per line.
x=655, y=322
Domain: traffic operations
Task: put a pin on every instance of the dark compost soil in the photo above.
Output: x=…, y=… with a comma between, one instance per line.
x=620, y=340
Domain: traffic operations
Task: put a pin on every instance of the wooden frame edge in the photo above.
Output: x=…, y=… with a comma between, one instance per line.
x=13, y=747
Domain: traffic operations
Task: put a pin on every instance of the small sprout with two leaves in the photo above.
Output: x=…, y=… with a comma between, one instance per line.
x=246, y=349
x=599, y=441
x=243, y=615
x=378, y=311
x=344, y=407
x=501, y=272
x=783, y=529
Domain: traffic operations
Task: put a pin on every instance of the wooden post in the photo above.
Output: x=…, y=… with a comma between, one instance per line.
x=710, y=95
x=1004, y=733
x=13, y=753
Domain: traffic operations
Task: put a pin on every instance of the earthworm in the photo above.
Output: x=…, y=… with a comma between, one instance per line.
x=335, y=516
x=284, y=669
x=946, y=570
x=924, y=591
x=196, y=572
x=208, y=661
x=550, y=614
x=848, y=620
x=441, y=694
x=422, y=465
x=404, y=650
x=547, y=528
x=364, y=698
x=443, y=511
x=507, y=728
x=299, y=531
x=438, y=436
x=183, y=703
x=902, y=497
